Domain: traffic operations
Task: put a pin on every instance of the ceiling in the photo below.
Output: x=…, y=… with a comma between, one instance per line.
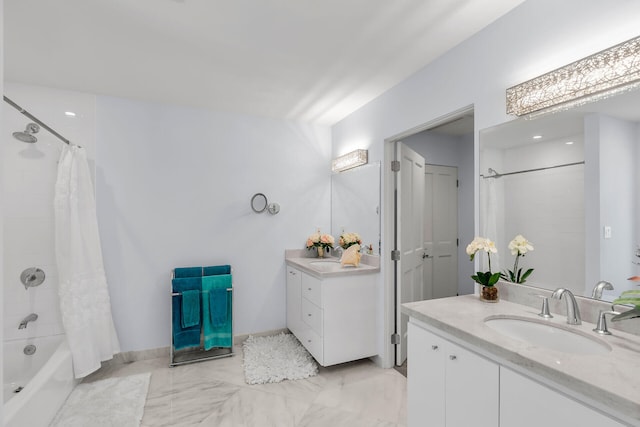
x=315, y=61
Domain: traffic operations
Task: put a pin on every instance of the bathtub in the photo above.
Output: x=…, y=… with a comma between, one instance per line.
x=46, y=378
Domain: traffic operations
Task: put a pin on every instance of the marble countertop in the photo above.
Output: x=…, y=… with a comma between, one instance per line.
x=306, y=264
x=611, y=381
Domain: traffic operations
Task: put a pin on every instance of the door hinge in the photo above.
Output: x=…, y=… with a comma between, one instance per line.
x=395, y=165
x=395, y=339
x=457, y=183
x=457, y=242
x=395, y=255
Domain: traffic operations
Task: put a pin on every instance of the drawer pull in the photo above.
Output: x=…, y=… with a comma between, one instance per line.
x=309, y=288
x=309, y=314
x=452, y=357
x=434, y=347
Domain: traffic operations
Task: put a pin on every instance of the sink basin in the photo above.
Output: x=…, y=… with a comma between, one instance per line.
x=541, y=333
x=326, y=265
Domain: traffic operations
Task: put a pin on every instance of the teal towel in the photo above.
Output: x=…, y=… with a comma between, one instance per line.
x=214, y=270
x=187, y=272
x=219, y=335
x=190, y=308
x=184, y=337
x=218, y=306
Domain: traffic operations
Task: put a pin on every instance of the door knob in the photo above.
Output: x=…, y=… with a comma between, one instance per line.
x=426, y=256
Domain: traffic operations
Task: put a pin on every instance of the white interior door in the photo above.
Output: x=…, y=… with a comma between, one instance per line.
x=409, y=235
x=440, y=232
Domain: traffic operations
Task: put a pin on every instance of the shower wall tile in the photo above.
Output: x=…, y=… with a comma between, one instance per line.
x=29, y=174
x=29, y=235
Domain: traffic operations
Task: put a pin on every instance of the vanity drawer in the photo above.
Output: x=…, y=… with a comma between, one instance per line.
x=313, y=343
x=311, y=289
x=312, y=315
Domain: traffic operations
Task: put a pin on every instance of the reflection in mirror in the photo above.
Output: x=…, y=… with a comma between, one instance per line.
x=355, y=204
x=568, y=183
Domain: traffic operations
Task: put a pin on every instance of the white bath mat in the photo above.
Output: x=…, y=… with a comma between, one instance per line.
x=276, y=358
x=111, y=402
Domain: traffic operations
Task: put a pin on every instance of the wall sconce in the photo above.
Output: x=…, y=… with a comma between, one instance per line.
x=350, y=160
x=598, y=76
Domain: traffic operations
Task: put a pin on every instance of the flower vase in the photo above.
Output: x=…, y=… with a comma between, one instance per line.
x=489, y=294
x=320, y=252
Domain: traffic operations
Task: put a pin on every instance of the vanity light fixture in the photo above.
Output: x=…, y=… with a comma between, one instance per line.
x=69, y=114
x=537, y=136
x=350, y=160
x=598, y=76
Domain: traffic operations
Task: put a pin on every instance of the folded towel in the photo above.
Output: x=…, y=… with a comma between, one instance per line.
x=351, y=256
x=218, y=306
x=214, y=270
x=190, y=308
x=220, y=333
x=183, y=337
x=187, y=272
x=189, y=336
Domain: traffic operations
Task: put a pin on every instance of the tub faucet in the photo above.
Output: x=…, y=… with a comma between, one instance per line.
x=573, y=313
x=30, y=318
x=597, y=290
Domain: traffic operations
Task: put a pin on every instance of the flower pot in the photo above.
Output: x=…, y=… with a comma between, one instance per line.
x=320, y=252
x=489, y=294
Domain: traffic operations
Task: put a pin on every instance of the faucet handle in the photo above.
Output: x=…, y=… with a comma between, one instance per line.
x=544, y=311
x=601, y=327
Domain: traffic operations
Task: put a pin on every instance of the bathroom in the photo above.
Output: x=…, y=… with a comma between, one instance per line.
x=173, y=182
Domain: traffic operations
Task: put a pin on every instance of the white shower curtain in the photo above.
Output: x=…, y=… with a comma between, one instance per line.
x=489, y=215
x=84, y=296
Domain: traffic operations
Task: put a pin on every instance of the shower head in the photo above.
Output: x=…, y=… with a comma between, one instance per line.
x=27, y=135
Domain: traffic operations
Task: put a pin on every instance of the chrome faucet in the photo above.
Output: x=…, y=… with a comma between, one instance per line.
x=600, y=286
x=601, y=327
x=30, y=318
x=573, y=313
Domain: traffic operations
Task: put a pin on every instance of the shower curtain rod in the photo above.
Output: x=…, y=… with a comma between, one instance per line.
x=35, y=119
x=499, y=175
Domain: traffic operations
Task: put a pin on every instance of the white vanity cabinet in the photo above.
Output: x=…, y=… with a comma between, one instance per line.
x=335, y=317
x=448, y=385
x=526, y=403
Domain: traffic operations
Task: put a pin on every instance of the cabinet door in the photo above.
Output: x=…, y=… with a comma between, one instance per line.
x=294, y=297
x=472, y=390
x=526, y=403
x=425, y=378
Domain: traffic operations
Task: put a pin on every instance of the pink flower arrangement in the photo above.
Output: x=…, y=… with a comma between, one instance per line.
x=320, y=240
x=349, y=239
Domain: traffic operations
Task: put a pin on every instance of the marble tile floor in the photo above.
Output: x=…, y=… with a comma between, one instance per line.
x=213, y=393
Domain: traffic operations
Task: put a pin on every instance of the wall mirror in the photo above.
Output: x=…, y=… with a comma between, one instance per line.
x=569, y=183
x=259, y=202
x=355, y=204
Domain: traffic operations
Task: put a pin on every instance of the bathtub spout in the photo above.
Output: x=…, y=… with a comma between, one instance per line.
x=30, y=318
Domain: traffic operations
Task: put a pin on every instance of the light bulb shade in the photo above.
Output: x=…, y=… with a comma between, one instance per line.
x=600, y=75
x=350, y=160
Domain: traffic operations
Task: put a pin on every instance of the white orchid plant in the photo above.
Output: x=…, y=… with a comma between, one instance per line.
x=519, y=247
x=486, y=278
